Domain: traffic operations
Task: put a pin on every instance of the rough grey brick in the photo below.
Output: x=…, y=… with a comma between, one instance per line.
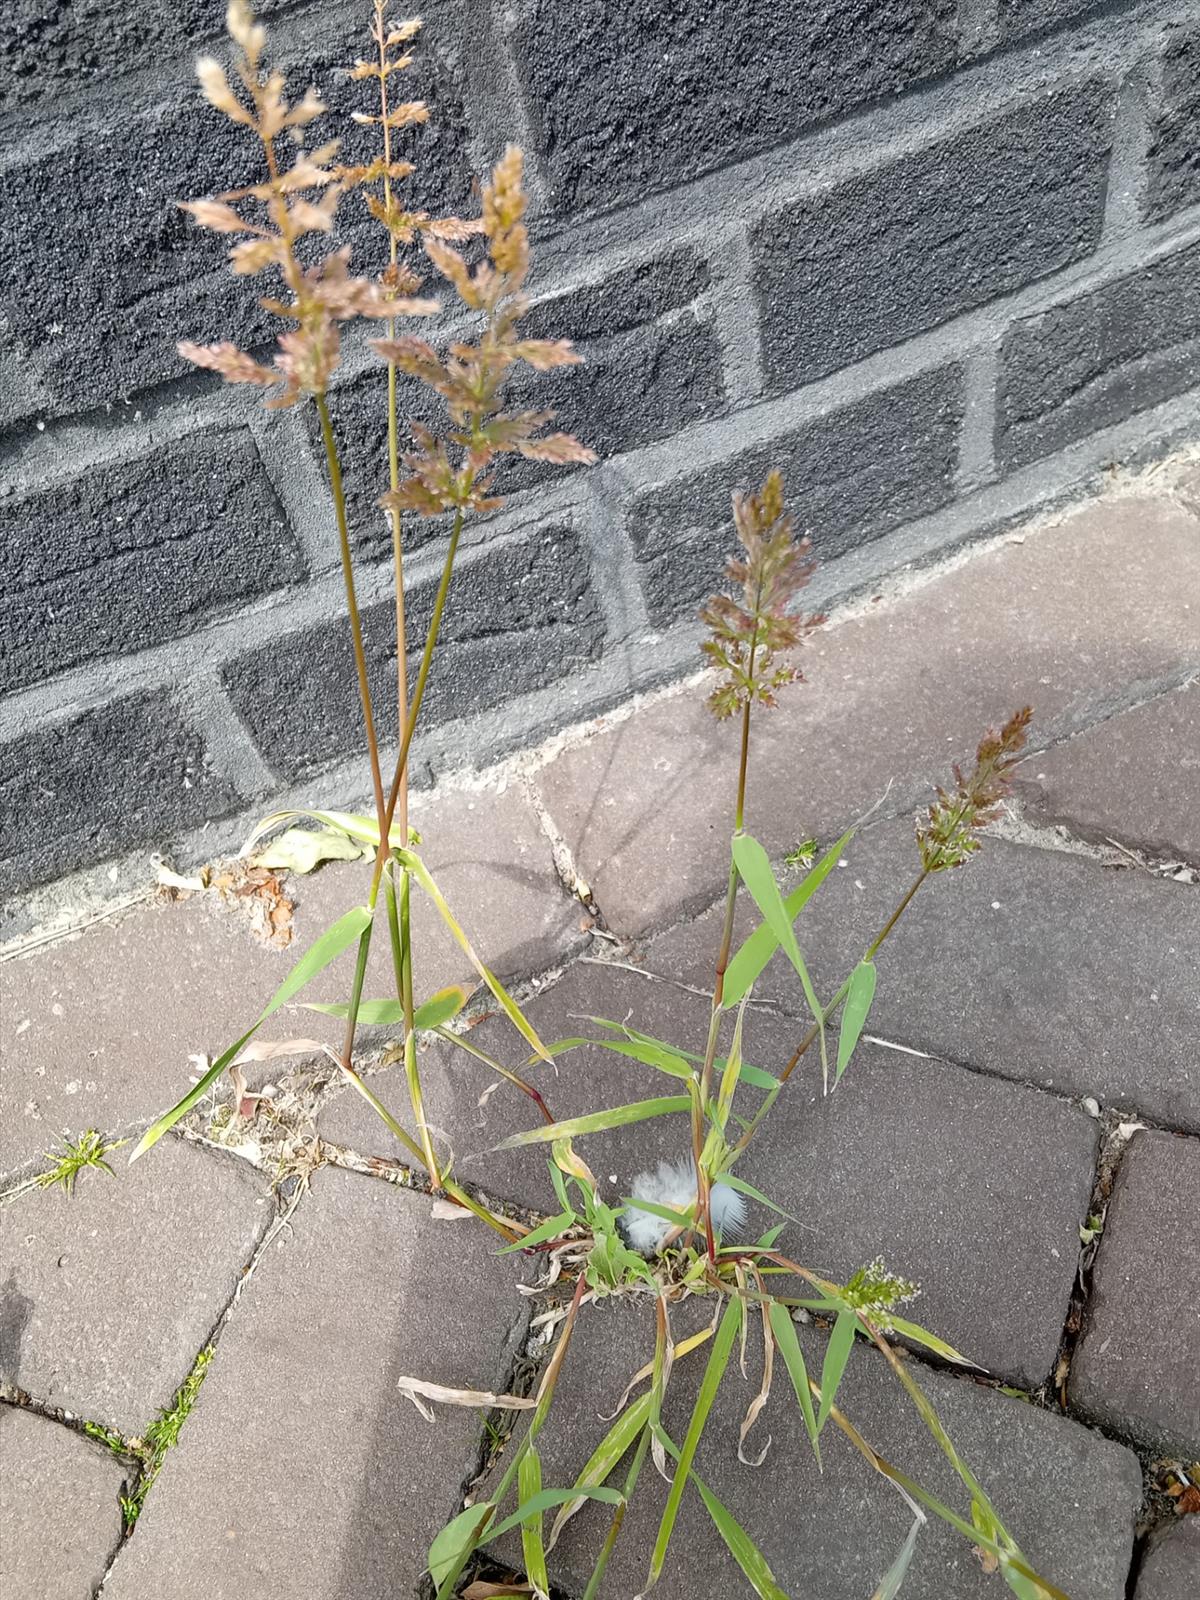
x=636, y=387
x=140, y=256
x=156, y=781
x=301, y=1455
x=1019, y=18
x=1137, y=1368
x=931, y=235
x=626, y=299
x=641, y=98
x=851, y=475
x=49, y=48
x=920, y=1161
x=1068, y=1496
x=1170, y=1569
x=359, y=413
x=1173, y=158
x=520, y=615
x=126, y=556
x=115, y=1289
x=59, y=1506
x=1098, y=359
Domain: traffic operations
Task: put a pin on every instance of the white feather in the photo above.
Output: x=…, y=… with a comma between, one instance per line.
x=673, y=1184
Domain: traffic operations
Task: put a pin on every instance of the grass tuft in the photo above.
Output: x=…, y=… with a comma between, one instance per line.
x=74, y=1157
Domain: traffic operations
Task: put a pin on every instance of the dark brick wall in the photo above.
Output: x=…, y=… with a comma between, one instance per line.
x=935, y=259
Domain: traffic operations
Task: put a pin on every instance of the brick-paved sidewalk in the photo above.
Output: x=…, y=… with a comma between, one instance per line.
x=1036, y=1059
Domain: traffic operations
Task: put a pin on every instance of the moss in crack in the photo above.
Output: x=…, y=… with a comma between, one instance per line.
x=151, y=1451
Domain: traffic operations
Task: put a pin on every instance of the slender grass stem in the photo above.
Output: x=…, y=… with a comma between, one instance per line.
x=498, y=1067
x=714, y=1022
x=334, y=466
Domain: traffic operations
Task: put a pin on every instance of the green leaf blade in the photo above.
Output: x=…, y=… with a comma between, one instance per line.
x=717, y=1361
x=599, y=1121
x=788, y=1345
x=747, y=965
x=337, y=938
x=859, y=995
x=837, y=1354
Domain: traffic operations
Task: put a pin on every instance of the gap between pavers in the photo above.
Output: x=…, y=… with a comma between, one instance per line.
x=1067, y=1495
x=106, y=1297
x=301, y=1466
x=1171, y=1566
x=1136, y=1370
x=1071, y=618
x=97, y=1030
x=1134, y=778
x=1039, y=965
x=59, y=1509
x=970, y=1186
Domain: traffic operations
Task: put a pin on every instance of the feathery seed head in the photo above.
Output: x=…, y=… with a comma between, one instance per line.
x=748, y=637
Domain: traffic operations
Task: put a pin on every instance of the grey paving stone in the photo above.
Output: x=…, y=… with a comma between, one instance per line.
x=1067, y=1495
x=1038, y=965
x=1135, y=778
x=59, y=1509
x=107, y=1296
x=1067, y=619
x=970, y=1186
x=1137, y=1367
x=1170, y=1569
x=301, y=1463
x=96, y=1031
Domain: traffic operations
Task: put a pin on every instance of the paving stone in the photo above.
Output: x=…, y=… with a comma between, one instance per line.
x=1068, y=1496
x=1137, y=1367
x=1170, y=1569
x=970, y=1186
x=96, y=1031
x=300, y=1456
x=1135, y=778
x=1066, y=619
x=59, y=1508
x=1039, y=965
x=107, y=1296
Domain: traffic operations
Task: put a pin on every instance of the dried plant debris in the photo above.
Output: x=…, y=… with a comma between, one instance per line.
x=256, y=892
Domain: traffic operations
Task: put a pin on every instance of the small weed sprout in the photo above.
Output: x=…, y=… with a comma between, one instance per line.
x=674, y=1237
x=74, y=1157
